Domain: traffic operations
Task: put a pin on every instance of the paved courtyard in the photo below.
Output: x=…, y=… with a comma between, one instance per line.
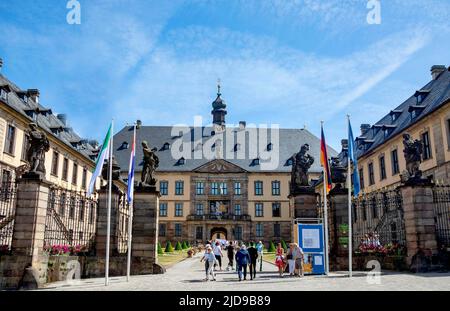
x=188, y=275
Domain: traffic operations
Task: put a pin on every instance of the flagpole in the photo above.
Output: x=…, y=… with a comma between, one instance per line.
x=108, y=222
x=130, y=220
x=349, y=187
x=325, y=215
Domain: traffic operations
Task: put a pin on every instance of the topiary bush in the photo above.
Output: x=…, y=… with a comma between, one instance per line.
x=284, y=245
x=169, y=247
x=272, y=248
x=160, y=250
x=184, y=245
x=178, y=246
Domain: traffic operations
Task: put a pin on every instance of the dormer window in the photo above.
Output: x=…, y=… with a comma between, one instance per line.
x=166, y=146
x=181, y=161
x=124, y=145
x=3, y=94
x=415, y=110
x=255, y=162
x=213, y=133
x=289, y=161
x=269, y=147
x=421, y=95
x=237, y=147
x=395, y=114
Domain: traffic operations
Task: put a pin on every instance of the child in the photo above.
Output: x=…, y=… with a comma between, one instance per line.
x=210, y=261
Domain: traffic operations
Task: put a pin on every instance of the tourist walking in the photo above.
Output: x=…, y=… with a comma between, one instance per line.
x=210, y=262
x=218, y=253
x=279, y=259
x=290, y=259
x=298, y=257
x=259, y=248
x=253, y=257
x=230, y=255
x=242, y=260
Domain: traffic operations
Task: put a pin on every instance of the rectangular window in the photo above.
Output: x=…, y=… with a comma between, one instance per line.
x=361, y=178
x=65, y=171
x=200, y=188
x=10, y=139
x=178, y=209
x=164, y=187
x=382, y=168
x=62, y=205
x=394, y=161
x=91, y=213
x=237, y=209
x=276, y=210
x=179, y=187
x=55, y=163
x=84, y=179
x=275, y=187
x=72, y=208
x=199, y=233
x=223, y=188
x=26, y=141
x=6, y=177
x=214, y=188
x=276, y=230
x=178, y=229
x=237, y=188
x=259, y=210
x=163, y=209
x=199, y=209
x=238, y=233
x=426, y=146
x=81, y=211
x=371, y=174
x=162, y=230
x=75, y=174
x=258, y=187
x=259, y=229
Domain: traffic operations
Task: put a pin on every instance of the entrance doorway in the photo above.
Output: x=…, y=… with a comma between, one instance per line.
x=218, y=233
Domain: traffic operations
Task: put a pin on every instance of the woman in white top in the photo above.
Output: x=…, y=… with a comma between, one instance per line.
x=218, y=253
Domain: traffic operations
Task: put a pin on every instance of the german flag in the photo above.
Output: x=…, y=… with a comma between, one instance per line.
x=324, y=162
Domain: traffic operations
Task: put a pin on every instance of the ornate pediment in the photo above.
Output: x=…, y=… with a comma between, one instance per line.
x=219, y=166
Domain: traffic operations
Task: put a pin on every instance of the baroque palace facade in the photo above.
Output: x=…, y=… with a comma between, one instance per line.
x=69, y=162
x=219, y=181
x=426, y=117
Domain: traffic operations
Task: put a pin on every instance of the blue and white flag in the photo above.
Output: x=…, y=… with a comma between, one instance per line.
x=353, y=157
x=130, y=190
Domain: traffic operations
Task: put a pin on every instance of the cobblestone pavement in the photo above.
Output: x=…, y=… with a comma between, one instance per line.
x=188, y=275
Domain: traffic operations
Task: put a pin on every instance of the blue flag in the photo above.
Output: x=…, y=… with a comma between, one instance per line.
x=352, y=157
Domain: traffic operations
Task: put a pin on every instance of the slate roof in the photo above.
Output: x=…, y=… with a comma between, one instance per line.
x=45, y=119
x=436, y=94
x=157, y=136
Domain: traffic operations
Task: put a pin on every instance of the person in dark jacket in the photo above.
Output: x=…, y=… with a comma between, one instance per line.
x=253, y=252
x=242, y=260
x=230, y=255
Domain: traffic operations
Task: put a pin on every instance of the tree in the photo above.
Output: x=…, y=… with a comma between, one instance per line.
x=178, y=246
x=169, y=247
x=284, y=245
x=160, y=250
x=184, y=245
x=272, y=248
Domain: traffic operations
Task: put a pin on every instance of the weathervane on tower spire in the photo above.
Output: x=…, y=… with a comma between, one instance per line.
x=218, y=87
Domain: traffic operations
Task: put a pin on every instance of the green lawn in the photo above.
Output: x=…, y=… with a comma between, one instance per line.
x=270, y=257
x=169, y=259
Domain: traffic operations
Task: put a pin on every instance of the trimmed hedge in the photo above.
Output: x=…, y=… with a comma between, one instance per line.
x=272, y=248
x=160, y=250
x=178, y=246
x=184, y=245
x=169, y=247
x=284, y=245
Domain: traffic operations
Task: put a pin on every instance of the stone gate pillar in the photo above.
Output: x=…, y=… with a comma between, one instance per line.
x=419, y=220
x=101, y=235
x=303, y=204
x=144, y=241
x=28, y=264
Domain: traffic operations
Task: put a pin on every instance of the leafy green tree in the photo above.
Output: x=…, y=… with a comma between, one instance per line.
x=169, y=247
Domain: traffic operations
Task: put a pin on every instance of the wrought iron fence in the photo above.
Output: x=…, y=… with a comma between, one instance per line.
x=441, y=200
x=8, y=191
x=122, y=225
x=71, y=219
x=379, y=213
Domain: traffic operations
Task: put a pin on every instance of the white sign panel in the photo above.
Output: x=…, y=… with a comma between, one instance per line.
x=311, y=238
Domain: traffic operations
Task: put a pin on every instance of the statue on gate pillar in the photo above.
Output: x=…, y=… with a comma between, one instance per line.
x=151, y=163
x=302, y=162
x=413, y=150
x=38, y=145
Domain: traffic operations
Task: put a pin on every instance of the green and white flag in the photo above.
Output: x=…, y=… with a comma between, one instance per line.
x=100, y=160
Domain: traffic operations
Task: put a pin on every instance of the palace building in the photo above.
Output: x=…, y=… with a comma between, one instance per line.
x=426, y=116
x=70, y=160
x=221, y=181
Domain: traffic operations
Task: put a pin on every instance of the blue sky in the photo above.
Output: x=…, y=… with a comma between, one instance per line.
x=290, y=62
